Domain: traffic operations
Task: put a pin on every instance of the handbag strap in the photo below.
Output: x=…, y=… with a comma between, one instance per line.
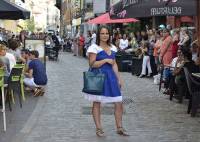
x=90, y=68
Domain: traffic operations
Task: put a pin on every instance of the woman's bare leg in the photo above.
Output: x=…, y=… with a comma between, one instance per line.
x=118, y=114
x=96, y=112
x=118, y=118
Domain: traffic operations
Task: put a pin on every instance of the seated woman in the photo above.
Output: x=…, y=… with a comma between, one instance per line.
x=180, y=75
x=14, y=49
x=4, y=62
x=175, y=65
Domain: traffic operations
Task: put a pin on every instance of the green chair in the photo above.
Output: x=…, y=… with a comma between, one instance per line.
x=3, y=97
x=21, y=80
x=14, y=82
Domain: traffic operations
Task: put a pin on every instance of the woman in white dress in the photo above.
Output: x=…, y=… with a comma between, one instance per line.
x=102, y=56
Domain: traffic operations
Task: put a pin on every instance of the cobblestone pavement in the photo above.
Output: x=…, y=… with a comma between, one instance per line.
x=63, y=115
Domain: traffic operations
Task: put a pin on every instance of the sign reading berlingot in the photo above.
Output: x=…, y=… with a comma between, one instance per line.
x=148, y=8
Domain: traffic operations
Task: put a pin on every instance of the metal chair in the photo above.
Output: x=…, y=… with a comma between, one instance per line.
x=14, y=83
x=21, y=80
x=3, y=97
x=161, y=76
x=194, y=92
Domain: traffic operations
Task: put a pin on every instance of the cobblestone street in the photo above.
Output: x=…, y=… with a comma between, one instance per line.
x=63, y=115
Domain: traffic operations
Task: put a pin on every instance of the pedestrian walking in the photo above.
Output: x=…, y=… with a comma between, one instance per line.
x=102, y=56
x=75, y=46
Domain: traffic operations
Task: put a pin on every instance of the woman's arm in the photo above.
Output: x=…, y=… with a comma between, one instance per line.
x=144, y=50
x=184, y=40
x=115, y=68
x=177, y=69
x=96, y=64
x=29, y=74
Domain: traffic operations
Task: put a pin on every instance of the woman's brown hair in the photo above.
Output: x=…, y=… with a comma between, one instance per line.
x=98, y=35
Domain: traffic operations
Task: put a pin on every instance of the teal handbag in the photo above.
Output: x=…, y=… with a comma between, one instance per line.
x=93, y=82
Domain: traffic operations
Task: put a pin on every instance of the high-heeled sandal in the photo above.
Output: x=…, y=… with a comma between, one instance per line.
x=100, y=132
x=121, y=131
x=37, y=92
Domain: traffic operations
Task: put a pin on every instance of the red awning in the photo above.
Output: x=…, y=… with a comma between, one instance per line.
x=105, y=19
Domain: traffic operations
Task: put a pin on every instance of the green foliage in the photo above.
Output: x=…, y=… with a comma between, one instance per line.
x=30, y=24
x=134, y=27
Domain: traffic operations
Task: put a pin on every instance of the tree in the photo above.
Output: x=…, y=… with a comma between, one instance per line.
x=134, y=27
x=30, y=24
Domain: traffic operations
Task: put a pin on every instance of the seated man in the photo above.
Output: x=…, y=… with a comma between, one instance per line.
x=36, y=76
x=25, y=56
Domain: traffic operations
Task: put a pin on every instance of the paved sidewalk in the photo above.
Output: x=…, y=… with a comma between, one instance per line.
x=62, y=115
x=17, y=118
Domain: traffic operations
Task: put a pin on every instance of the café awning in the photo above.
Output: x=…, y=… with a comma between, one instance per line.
x=149, y=8
x=105, y=19
x=11, y=11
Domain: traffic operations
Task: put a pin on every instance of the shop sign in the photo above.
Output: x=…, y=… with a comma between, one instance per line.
x=148, y=8
x=166, y=11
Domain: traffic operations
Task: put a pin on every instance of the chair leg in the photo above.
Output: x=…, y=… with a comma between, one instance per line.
x=3, y=109
x=9, y=99
x=22, y=91
x=20, y=98
x=189, y=106
x=171, y=95
x=194, y=107
x=12, y=96
x=180, y=100
x=181, y=91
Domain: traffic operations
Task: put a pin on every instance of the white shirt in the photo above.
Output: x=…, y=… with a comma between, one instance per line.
x=173, y=63
x=1, y=37
x=11, y=59
x=123, y=44
x=97, y=49
x=59, y=39
x=194, y=57
x=94, y=37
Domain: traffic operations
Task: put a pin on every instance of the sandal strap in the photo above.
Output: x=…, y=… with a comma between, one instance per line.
x=121, y=131
x=99, y=132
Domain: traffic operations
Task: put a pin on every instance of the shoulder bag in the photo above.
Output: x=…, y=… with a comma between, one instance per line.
x=93, y=82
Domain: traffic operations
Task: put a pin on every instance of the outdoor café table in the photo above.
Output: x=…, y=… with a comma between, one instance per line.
x=196, y=75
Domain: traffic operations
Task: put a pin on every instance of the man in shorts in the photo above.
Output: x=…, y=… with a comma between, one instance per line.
x=36, y=77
